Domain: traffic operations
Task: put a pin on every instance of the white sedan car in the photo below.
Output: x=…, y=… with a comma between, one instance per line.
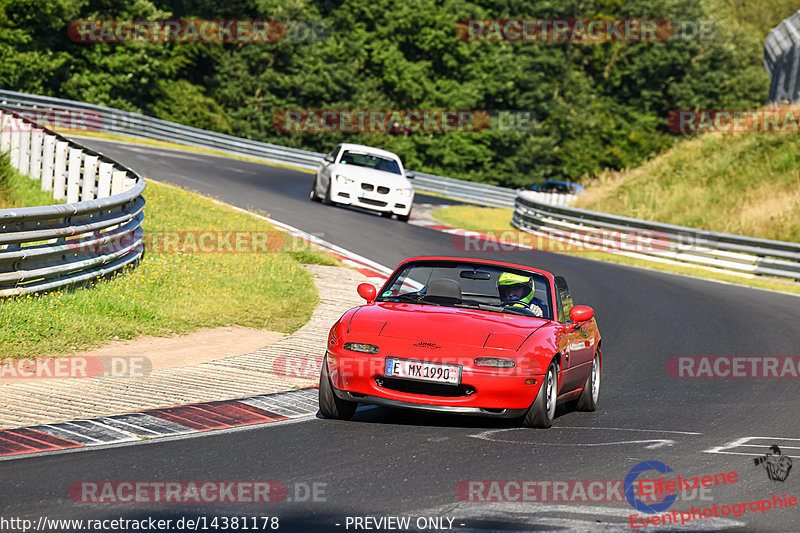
x=354, y=174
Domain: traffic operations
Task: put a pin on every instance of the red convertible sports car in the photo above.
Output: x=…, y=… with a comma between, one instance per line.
x=464, y=336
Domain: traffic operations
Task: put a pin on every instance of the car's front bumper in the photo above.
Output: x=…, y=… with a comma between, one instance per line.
x=352, y=194
x=481, y=391
x=449, y=409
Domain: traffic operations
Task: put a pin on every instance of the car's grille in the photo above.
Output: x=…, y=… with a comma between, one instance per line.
x=370, y=201
x=383, y=190
x=400, y=206
x=367, y=186
x=424, y=387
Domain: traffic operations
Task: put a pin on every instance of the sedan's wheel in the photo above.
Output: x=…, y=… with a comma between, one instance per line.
x=330, y=405
x=313, y=193
x=328, y=199
x=591, y=390
x=404, y=218
x=543, y=410
x=386, y=214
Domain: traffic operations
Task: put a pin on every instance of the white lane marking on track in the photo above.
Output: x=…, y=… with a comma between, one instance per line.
x=763, y=446
x=654, y=443
x=630, y=429
x=489, y=435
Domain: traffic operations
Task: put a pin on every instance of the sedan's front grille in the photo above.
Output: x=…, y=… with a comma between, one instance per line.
x=424, y=387
x=370, y=201
x=367, y=186
x=383, y=190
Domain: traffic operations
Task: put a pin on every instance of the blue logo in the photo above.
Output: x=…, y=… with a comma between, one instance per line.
x=630, y=482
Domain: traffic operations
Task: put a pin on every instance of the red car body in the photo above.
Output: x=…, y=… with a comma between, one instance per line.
x=460, y=338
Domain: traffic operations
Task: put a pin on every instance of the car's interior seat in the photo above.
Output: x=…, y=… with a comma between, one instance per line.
x=443, y=291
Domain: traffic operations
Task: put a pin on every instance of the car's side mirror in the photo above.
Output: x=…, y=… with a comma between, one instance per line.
x=328, y=158
x=368, y=292
x=410, y=174
x=581, y=313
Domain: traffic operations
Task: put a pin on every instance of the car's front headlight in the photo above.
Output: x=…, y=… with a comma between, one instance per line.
x=495, y=362
x=404, y=192
x=343, y=179
x=361, y=347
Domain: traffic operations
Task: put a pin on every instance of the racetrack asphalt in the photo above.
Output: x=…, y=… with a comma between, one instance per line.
x=397, y=463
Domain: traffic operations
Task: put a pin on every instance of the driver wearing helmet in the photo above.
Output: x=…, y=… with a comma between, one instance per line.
x=517, y=291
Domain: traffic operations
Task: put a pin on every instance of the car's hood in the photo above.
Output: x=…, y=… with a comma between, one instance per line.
x=444, y=326
x=371, y=175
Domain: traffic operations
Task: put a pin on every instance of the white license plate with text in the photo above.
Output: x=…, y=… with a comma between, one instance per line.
x=422, y=370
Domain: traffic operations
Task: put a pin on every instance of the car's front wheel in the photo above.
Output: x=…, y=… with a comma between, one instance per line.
x=591, y=390
x=328, y=197
x=543, y=410
x=330, y=405
x=313, y=194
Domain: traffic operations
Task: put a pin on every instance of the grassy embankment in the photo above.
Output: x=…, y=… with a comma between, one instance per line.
x=168, y=292
x=736, y=183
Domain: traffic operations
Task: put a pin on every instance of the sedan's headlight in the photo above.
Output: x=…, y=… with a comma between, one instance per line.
x=343, y=179
x=360, y=347
x=495, y=362
x=403, y=192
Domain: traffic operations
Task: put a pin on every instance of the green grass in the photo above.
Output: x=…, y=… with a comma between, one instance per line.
x=496, y=221
x=168, y=292
x=17, y=190
x=742, y=183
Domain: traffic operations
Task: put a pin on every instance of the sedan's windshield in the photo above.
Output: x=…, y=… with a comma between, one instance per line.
x=363, y=159
x=488, y=288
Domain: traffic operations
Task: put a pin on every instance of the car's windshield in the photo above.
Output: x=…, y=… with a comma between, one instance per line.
x=471, y=285
x=363, y=159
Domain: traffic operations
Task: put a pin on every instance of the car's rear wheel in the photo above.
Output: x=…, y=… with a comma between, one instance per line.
x=543, y=410
x=591, y=390
x=330, y=405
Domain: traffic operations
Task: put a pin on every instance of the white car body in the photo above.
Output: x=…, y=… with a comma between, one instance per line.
x=350, y=175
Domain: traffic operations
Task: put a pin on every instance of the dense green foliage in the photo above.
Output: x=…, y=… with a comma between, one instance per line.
x=597, y=105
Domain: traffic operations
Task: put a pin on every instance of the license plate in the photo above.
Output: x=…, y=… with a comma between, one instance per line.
x=423, y=371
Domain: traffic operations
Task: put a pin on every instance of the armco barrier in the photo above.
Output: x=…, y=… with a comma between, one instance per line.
x=97, y=232
x=105, y=119
x=670, y=243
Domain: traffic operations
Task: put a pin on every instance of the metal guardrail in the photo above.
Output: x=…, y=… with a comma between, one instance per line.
x=97, y=232
x=657, y=241
x=782, y=60
x=109, y=120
